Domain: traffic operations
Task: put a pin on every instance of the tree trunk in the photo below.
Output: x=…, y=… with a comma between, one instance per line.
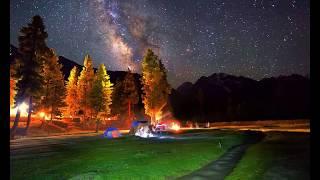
x=97, y=126
x=29, y=114
x=132, y=110
x=153, y=119
x=52, y=104
x=51, y=113
x=15, y=124
x=129, y=109
x=42, y=123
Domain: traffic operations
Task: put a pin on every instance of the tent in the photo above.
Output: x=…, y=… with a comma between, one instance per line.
x=112, y=132
x=134, y=124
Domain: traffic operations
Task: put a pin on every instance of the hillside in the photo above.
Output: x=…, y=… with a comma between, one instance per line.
x=223, y=97
x=68, y=64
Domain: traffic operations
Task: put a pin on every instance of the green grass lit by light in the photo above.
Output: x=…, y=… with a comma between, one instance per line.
x=124, y=158
x=253, y=164
x=280, y=156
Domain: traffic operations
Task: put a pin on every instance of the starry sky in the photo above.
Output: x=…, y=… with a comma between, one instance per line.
x=194, y=38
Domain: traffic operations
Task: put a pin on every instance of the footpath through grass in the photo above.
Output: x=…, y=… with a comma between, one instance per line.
x=279, y=156
x=123, y=158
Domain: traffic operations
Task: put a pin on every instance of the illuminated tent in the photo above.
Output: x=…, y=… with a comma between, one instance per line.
x=135, y=124
x=111, y=132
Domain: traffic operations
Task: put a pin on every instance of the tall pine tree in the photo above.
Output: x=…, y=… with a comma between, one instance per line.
x=85, y=85
x=155, y=86
x=125, y=96
x=53, y=88
x=100, y=94
x=72, y=100
x=130, y=92
x=118, y=107
x=32, y=48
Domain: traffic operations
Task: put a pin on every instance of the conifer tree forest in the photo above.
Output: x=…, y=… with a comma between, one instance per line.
x=36, y=79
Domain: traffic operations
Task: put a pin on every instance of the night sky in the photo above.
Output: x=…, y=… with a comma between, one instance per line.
x=252, y=38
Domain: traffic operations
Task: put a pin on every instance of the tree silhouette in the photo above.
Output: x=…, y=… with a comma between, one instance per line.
x=125, y=96
x=32, y=49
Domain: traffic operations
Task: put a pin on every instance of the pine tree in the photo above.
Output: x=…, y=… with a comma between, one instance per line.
x=130, y=92
x=100, y=94
x=53, y=88
x=125, y=96
x=32, y=47
x=71, y=92
x=96, y=95
x=118, y=107
x=155, y=86
x=84, y=85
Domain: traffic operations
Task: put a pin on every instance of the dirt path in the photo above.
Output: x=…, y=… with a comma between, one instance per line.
x=221, y=167
x=45, y=145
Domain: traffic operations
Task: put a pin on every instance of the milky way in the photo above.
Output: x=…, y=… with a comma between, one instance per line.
x=253, y=38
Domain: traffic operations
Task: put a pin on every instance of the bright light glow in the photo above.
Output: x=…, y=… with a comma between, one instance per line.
x=175, y=127
x=158, y=116
x=144, y=132
x=42, y=114
x=23, y=107
x=169, y=124
x=47, y=117
x=23, y=110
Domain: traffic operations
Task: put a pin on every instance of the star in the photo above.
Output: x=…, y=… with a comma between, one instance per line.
x=194, y=39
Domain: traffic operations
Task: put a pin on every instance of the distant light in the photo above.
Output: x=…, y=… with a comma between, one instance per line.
x=42, y=114
x=47, y=118
x=175, y=127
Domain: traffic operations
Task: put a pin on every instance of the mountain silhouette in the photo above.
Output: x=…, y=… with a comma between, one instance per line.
x=224, y=97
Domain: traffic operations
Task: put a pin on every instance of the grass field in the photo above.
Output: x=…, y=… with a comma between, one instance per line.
x=279, y=156
x=123, y=158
